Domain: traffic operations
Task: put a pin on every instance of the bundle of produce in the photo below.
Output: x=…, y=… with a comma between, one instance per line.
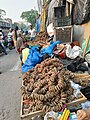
x=41, y=39
x=82, y=79
x=46, y=87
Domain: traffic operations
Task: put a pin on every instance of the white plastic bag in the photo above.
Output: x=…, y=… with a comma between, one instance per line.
x=50, y=29
x=76, y=88
x=87, y=58
x=51, y=114
x=85, y=105
x=74, y=52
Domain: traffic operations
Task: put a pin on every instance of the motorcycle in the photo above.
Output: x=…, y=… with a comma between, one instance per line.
x=2, y=48
x=10, y=44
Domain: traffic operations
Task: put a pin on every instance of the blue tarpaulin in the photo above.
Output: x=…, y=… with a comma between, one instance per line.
x=49, y=49
x=35, y=57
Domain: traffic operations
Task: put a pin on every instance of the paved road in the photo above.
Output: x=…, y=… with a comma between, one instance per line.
x=10, y=83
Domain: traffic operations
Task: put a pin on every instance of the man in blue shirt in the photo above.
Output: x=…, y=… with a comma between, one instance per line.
x=38, y=23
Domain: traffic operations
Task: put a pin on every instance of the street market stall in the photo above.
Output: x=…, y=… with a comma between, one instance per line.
x=47, y=87
x=47, y=84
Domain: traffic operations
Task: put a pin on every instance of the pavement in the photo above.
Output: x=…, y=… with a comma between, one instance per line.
x=10, y=84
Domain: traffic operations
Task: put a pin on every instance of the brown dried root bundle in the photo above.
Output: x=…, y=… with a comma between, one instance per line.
x=47, y=86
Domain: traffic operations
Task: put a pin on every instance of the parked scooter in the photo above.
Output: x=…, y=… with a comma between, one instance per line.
x=2, y=48
x=5, y=41
x=10, y=45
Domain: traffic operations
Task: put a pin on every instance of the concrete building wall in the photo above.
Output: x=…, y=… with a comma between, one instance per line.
x=81, y=32
x=86, y=30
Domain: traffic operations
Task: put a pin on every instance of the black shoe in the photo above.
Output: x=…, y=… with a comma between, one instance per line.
x=0, y=72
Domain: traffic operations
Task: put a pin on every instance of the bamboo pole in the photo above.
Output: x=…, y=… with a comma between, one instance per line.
x=87, y=42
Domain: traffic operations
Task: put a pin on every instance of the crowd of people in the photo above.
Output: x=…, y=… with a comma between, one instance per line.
x=13, y=34
x=16, y=38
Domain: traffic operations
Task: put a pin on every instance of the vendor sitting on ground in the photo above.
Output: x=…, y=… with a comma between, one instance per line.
x=32, y=32
x=83, y=114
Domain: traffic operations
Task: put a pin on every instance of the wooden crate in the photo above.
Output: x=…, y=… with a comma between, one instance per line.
x=60, y=19
x=33, y=114
x=60, y=22
x=64, y=34
x=86, y=76
x=30, y=115
x=77, y=101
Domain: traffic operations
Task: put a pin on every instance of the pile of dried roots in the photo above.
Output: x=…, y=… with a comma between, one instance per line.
x=46, y=87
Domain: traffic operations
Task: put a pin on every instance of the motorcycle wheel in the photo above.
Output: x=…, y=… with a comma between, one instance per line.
x=10, y=47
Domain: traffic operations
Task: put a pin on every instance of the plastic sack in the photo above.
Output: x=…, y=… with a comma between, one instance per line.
x=85, y=105
x=87, y=58
x=49, y=49
x=50, y=29
x=51, y=114
x=25, y=54
x=33, y=58
x=74, y=52
x=88, y=47
x=73, y=116
x=76, y=88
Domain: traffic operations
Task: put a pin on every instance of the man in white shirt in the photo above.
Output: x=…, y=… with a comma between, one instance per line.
x=10, y=35
x=32, y=33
